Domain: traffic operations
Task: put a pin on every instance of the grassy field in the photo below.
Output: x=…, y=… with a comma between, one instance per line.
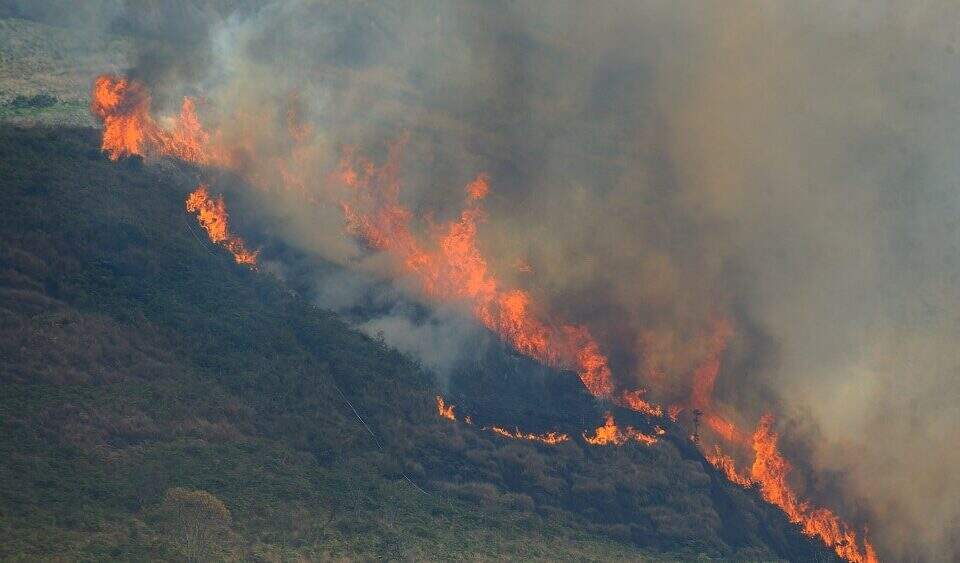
x=53, y=62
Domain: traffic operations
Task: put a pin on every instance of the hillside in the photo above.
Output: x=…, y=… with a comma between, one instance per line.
x=161, y=402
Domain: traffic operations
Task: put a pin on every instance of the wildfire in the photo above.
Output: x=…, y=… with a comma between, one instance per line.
x=212, y=215
x=726, y=464
x=548, y=438
x=769, y=471
x=449, y=266
x=634, y=400
x=551, y=438
x=445, y=410
x=123, y=106
x=452, y=267
x=611, y=434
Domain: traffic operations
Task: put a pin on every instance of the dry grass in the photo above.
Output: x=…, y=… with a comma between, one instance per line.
x=36, y=58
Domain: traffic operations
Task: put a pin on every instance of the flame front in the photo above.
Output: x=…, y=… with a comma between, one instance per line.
x=548, y=438
x=551, y=438
x=123, y=105
x=726, y=464
x=769, y=471
x=611, y=434
x=212, y=215
x=453, y=268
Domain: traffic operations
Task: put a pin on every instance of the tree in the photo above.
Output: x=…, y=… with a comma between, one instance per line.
x=197, y=521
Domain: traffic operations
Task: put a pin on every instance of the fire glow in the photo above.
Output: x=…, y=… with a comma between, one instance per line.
x=451, y=267
x=550, y=438
x=212, y=215
x=769, y=471
x=611, y=434
x=123, y=106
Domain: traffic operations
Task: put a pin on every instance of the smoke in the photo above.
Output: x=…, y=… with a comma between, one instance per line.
x=656, y=168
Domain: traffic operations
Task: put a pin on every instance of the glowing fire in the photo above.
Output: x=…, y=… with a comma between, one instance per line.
x=611, y=434
x=726, y=464
x=516, y=434
x=212, y=215
x=769, y=471
x=551, y=438
x=128, y=128
x=453, y=268
x=635, y=400
x=445, y=410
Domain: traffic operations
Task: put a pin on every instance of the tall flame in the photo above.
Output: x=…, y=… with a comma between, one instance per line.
x=454, y=268
x=212, y=215
x=123, y=105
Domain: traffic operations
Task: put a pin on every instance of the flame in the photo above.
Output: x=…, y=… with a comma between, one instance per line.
x=611, y=434
x=445, y=410
x=453, y=268
x=724, y=428
x=551, y=438
x=123, y=105
x=673, y=411
x=212, y=215
x=634, y=400
x=726, y=464
x=769, y=471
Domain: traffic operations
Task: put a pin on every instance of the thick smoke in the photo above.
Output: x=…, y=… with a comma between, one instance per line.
x=657, y=167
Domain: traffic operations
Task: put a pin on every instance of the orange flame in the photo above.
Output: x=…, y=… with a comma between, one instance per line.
x=634, y=400
x=123, y=106
x=770, y=471
x=726, y=464
x=212, y=215
x=673, y=411
x=455, y=269
x=551, y=438
x=611, y=434
x=445, y=410
x=724, y=428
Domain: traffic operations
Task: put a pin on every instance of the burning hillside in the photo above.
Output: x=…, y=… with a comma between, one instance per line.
x=212, y=215
x=451, y=268
x=731, y=222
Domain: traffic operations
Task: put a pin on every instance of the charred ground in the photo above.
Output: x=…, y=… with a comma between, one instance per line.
x=147, y=379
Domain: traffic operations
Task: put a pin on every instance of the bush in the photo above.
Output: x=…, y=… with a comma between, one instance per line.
x=196, y=522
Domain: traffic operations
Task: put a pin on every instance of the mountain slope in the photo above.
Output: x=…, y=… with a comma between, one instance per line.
x=161, y=402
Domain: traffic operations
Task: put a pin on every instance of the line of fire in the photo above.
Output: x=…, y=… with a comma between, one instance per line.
x=448, y=266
